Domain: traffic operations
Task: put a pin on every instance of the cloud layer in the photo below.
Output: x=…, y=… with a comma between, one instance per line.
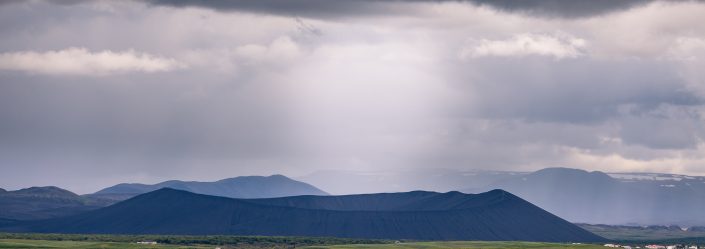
x=80, y=61
x=558, y=47
x=328, y=9
x=206, y=90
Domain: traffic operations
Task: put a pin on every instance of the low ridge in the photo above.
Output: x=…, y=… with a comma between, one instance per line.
x=44, y=202
x=236, y=187
x=49, y=191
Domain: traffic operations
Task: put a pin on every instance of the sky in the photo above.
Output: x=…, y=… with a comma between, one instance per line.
x=94, y=93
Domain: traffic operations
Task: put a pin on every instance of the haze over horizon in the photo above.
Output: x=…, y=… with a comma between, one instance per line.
x=94, y=93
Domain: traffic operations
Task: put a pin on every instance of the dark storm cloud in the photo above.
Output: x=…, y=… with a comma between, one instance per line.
x=562, y=8
x=307, y=8
x=332, y=9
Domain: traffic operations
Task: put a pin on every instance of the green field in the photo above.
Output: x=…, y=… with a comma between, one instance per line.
x=48, y=240
x=18, y=243
x=466, y=244
x=34, y=240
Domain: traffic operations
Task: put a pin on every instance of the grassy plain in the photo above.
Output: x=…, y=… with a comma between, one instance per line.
x=23, y=243
x=46, y=240
x=465, y=245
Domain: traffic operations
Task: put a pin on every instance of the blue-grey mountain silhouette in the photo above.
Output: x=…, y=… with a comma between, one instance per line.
x=237, y=187
x=599, y=198
x=44, y=202
x=51, y=202
x=494, y=215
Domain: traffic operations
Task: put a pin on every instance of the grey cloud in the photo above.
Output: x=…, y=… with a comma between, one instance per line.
x=9, y=2
x=142, y=123
x=575, y=91
x=559, y=8
x=160, y=114
x=575, y=103
x=208, y=122
x=306, y=8
x=666, y=127
x=333, y=9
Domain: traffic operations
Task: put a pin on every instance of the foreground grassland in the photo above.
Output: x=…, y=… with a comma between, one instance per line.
x=18, y=243
x=465, y=244
x=40, y=240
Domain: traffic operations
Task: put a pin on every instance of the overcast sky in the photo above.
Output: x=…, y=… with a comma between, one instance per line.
x=101, y=92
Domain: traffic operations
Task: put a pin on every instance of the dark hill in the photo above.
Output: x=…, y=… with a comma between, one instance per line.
x=44, y=202
x=406, y=201
x=7, y=222
x=50, y=192
x=495, y=215
x=237, y=187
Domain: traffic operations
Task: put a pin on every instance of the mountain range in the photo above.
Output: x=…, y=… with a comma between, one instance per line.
x=494, y=215
x=600, y=198
x=236, y=187
x=49, y=202
x=637, y=199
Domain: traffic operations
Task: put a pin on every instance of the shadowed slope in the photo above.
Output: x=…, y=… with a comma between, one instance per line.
x=405, y=201
x=495, y=215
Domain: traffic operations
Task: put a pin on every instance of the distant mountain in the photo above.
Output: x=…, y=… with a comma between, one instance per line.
x=44, y=202
x=237, y=187
x=44, y=192
x=599, y=198
x=495, y=215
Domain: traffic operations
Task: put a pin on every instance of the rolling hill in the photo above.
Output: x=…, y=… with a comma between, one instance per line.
x=237, y=187
x=494, y=215
x=44, y=202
